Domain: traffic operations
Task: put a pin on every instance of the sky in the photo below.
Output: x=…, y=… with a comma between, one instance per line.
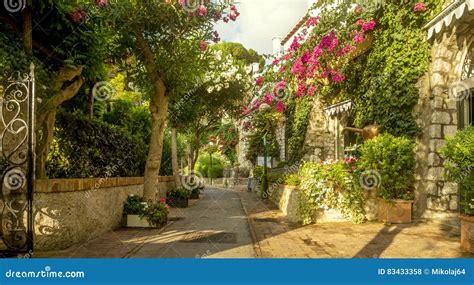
x=260, y=21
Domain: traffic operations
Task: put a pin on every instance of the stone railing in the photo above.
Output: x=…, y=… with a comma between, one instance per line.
x=71, y=211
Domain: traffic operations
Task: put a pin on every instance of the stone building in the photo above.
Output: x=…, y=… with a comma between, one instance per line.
x=445, y=105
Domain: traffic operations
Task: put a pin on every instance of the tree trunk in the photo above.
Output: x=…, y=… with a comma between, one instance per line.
x=47, y=132
x=174, y=156
x=46, y=113
x=27, y=30
x=159, y=112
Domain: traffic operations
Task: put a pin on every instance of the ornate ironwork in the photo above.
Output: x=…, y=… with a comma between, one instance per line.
x=467, y=67
x=17, y=163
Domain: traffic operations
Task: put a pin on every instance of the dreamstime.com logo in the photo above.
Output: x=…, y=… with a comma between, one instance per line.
x=460, y=90
x=192, y=181
x=103, y=91
x=14, y=6
x=45, y=273
x=370, y=180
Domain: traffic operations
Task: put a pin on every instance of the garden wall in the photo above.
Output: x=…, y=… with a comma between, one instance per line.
x=70, y=211
x=286, y=198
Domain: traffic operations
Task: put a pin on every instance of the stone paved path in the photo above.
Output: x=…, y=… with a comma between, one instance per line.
x=214, y=226
x=237, y=224
x=276, y=238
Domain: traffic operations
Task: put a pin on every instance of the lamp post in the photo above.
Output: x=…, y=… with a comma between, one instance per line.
x=209, y=171
x=264, y=188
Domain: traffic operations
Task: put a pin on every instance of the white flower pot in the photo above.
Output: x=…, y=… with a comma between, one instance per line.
x=134, y=221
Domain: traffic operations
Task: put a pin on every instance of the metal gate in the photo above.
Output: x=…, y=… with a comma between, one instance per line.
x=17, y=92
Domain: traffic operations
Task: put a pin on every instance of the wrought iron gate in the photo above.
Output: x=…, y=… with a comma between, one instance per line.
x=17, y=165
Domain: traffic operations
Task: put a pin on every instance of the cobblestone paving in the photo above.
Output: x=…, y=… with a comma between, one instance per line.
x=237, y=224
x=214, y=226
x=277, y=238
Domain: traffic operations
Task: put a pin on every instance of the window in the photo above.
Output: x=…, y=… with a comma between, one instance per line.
x=466, y=104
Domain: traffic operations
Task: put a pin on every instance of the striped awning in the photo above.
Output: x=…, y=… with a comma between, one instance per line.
x=338, y=108
x=446, y=18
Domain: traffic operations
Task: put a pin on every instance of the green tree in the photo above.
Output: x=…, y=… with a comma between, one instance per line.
x=169, y=42
x=67, y=44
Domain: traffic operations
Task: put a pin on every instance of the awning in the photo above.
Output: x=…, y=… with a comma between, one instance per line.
x=338, y=108
x=453, y=12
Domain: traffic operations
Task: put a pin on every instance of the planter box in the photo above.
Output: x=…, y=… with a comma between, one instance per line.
x=194, y=196
x=134, y=221
x=467, y=233
x=177, y=202
x=397, y=212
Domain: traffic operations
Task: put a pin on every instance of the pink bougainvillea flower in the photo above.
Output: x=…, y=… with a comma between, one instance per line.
x=203, y=45
x=202, y=10
x=345, y=50
x=329, y=41
x=360, y=22
x=282, y=69
x=281, y=84
x=259, y=81
x=368, y=26
x=313, y=21
x=77, y=15
x=337, y=76
x=233, y=8
x=276, y=61
x=287, y=56
x=295, y=45
x=298, y=68
x=225, y=19
x=101, y=3
x=280, y=107
x=163, y=200
x=359, y=38
x=268, y=99
x=311, y=90
x=300, y=92
x=420, y=7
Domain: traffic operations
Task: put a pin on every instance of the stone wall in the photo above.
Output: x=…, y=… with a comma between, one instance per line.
x=286, y=198
x=319, y=139
x=436, y=114
x=71, y=211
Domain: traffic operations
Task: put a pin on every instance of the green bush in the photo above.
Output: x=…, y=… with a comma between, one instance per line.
x=388, y=163
x=330, y=186
x=459, y=151
x=156, y=213
x=178, y=193
x=203, y=164
x=85, y=148
x=292, y=180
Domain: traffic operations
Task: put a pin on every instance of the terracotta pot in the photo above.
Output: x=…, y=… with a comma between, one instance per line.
x=396, y=212
x=467, y=233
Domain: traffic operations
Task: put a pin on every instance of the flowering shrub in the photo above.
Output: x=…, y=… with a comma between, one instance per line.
x=155, y=213
x=420, y=7
x=330, y=185
x=226, y=138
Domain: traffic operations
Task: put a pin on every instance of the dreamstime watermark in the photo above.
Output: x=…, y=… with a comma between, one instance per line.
x=14, y=179
x=103, y=91
x=281, y=180
x=460, y=91
x=204, y=255
x=14, y=6
x=44, y=273
x=279, y=91
x=108, y=173
x=192, y=181
x=370, y=180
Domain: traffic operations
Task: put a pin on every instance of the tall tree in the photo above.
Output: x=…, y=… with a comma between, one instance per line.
x=66, y=44
x=170, y=40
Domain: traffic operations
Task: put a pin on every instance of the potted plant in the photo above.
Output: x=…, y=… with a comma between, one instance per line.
x=141, y=214
x=178, y=197
x=459, y=163
x=196, y=191
x=387, y=166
